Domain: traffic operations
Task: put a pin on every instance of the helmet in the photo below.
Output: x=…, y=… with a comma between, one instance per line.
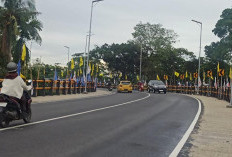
x=11, y=67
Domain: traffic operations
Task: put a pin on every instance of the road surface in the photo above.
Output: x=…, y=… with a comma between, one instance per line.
x=120, y=125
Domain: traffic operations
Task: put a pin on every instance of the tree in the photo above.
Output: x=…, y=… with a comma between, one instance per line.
x=120, y=58
x=159, y=55
x=221, y=51
x=18, y=20
x=153, y=37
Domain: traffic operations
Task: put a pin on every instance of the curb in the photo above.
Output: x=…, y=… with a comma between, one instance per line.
x=94, y=96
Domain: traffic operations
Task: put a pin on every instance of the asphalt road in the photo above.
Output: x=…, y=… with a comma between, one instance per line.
x=119, y=125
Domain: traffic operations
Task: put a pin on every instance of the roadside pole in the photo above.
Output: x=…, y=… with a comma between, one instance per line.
x=221, y=89
x=230, y=104
x=230, y=91
x=209, y=86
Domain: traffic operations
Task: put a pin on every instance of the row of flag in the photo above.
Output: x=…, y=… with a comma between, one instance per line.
x=90, y=69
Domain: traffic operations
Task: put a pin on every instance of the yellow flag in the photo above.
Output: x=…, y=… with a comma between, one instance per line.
x=92, y=67
x=157, y=77
x=120, y=75
x=97, y=70
x=80, y=71
x=126, y=77
x=191, y=78
x=81, y=61
x=89, y=66
x=111, y=75
x=101, y=74
x=177, y=74
x=137, y=77
x=186, y=74
x=72, y=64
x=230, y=75
x=23, y=52
x=62, y=73
x=218, y=68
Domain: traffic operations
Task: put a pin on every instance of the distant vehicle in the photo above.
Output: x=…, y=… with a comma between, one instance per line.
x=156, y=86
x=124, y=86
x=141, y=86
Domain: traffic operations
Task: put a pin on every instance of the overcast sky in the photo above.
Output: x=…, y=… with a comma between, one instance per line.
x=66, y=22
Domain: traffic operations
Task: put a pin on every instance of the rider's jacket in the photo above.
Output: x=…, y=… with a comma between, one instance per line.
x=14, y=87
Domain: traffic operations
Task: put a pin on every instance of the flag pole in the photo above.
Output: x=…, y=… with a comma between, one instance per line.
x=230, y=104
x=231, y=91
x=221, y=89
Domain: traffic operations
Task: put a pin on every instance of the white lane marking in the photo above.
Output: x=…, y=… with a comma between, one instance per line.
x=72, y=115
x=179, y=146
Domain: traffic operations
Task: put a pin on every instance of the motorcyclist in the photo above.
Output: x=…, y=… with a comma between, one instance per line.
x=13, y=86
x=109, y=84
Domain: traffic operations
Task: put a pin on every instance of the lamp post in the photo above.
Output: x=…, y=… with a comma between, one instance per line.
x=140, y=66
x=199, y=64
x=86, y=42
x=90, y=26
x=68, y=51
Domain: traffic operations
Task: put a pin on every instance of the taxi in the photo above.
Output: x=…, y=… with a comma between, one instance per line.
x=124, y=86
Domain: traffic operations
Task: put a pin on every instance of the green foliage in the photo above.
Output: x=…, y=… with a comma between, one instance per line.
x=221, y=51
x=18, y=23
x=119, y=57
x=153, y=37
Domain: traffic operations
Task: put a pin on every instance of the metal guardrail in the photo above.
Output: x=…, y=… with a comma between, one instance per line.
x=222, y=93
x=51, y=87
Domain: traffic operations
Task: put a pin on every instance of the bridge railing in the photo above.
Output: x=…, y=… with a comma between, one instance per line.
x=63, y=87
x=58, y=87
x=223, y=93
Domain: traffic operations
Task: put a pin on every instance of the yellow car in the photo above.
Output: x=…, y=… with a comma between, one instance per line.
x=124, y=86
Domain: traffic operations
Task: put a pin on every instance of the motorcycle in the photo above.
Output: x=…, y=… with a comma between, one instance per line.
x=12, y=111
x=110, y=88
x=141, y=87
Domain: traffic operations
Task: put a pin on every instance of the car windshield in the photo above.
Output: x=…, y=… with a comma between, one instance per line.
x=157, y=82
x=125, y=83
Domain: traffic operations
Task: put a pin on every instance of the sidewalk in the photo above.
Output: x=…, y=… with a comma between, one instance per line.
x=43, y=99
x=212, y=136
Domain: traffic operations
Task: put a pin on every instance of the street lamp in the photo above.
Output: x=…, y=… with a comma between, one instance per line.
x=86, y=42
x=140, y=66
x=90, y=26
x=68, y=51
x=199, y=64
